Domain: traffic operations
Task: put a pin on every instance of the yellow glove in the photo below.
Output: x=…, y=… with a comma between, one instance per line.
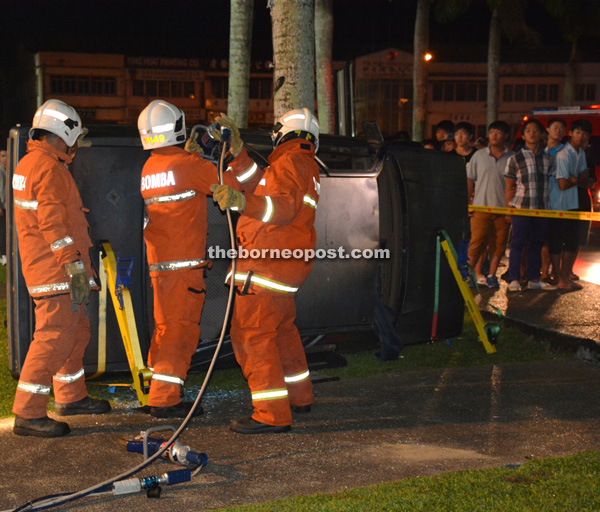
x=79, y=282
x=235, y=140
x=192, y=146
x=228, y=198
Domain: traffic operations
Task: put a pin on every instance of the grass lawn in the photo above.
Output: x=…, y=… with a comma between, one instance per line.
x=567, y=484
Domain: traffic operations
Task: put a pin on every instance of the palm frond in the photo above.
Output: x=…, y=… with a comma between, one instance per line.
x=514, y=26
x=446, y=11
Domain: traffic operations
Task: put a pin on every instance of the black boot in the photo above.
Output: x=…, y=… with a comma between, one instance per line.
x=180, y=410
x=251, y=426
x=40, y=427
x=86, y=405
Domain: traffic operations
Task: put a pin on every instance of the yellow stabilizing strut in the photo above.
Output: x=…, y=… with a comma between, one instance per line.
x=121, y=299
x=480, y=325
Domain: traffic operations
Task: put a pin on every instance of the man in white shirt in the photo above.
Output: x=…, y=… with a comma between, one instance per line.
x=485, y=179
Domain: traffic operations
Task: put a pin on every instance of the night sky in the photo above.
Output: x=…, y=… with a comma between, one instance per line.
x=200, y=29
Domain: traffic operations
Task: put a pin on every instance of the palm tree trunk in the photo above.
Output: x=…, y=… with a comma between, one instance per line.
x=323, y=57
x=570, y=76
x=421, y=42
x=240, y=42
x=293, y=27
x=493, y=67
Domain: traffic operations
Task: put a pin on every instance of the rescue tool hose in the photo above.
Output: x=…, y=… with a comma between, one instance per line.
x=107, y=486
x=225, y=136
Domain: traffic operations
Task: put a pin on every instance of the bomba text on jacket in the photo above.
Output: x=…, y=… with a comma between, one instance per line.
x=19, y=182
x=158, y=180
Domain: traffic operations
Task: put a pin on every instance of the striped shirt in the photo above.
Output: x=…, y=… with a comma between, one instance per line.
x=531, y=173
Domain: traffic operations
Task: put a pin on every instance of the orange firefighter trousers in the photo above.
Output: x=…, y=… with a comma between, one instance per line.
x=268, y=348
x=178, y=302
x=59, y=342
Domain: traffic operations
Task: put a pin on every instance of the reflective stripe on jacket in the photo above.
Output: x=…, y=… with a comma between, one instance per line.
x=51, y=226
x=175, y=185
x=280, y=214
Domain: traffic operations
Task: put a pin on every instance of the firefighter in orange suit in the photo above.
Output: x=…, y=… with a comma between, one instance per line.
x=175, y=184
x=279, y=214
x=54, y=247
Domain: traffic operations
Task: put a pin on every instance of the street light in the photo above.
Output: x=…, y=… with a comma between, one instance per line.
x=428, y=57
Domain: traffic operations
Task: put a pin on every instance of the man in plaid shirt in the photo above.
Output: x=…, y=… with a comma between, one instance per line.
x=527, y=175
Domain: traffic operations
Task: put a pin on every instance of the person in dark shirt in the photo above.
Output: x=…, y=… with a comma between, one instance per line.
x=463, y=137
x=443, y=133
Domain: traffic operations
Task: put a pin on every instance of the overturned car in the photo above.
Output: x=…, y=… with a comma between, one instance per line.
x=375, y=267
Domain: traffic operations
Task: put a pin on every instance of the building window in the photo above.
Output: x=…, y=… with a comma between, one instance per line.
x=387, y=90
x=189, y=89
x=110, y=86
x=459, y=91
x=97, y=86
x=83, y=85
x=590, y=92
x=151, y=88
x=531, y=93
x=542, y=92
x=164, y=88
x=69, y=84
x=482, y=91
x=176, y=89
x=519, y=92
x=138, y=87
x=585, y=92
x=56, y=84
x=448, y=92
x=261, y=88
x=385, y=101
x=471, y=92
x=219, y=86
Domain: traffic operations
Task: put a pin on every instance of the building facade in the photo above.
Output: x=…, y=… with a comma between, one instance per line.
x=458, y=91
x=115, y=88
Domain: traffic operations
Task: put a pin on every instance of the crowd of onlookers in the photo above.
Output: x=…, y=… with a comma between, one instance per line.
x=548, y=168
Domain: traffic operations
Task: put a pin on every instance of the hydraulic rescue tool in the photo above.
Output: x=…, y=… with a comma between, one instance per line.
x=177, y=452
x=151, y=484
x=207, y=141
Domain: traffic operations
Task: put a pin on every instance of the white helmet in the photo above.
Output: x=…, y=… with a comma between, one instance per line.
x=297, y=120
x=57, y=117
x=161, y=124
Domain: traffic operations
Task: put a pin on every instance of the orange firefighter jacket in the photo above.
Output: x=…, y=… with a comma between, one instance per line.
x=51, y=226
x=174, y=185
x=280, y=215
